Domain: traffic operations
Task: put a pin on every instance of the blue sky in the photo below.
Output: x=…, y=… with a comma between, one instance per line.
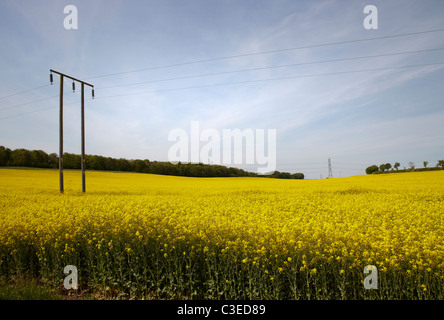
x=355, y=119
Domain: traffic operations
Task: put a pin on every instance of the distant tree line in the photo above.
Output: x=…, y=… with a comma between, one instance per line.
x=285, y=175
x=387, y=167
x=40, y=159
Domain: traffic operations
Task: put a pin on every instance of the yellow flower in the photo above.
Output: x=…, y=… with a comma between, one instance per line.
x=278, y=223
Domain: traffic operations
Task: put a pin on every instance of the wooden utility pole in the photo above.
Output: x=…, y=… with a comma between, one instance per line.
x=62, y=76
x=61, y=135
x=83, y=138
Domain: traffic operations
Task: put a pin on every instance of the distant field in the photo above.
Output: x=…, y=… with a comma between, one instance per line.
x=154, y=236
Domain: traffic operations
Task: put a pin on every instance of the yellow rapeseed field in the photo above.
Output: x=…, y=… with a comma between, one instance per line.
x=226, y=238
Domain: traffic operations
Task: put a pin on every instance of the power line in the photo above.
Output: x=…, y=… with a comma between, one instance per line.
x=272, y=79
x=246, y=70
x=266, y=52
x=257, y=53
x=228, y=72
x=33, y=101
x=251, y=54
x=21, y=92
x=272, y=67
x=245, y=82
x=29, y=112
x=26, y=103
x=35, y=111
x=254, y=69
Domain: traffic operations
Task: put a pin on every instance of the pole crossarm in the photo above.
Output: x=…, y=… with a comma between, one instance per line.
x=72, y=78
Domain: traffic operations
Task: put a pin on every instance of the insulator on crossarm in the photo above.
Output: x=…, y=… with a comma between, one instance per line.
x=73, y=87
x=92, y=93
x=50, y=78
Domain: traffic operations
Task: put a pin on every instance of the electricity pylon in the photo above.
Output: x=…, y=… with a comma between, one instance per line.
x=61, y=125
x=330, y=174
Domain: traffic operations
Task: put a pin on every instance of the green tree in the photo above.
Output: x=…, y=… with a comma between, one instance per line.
x=94, y=162
x=123, y=165
x=156, y=167
x=440, y=163
x=382, y=167
x=4, y=155
x=425, y=164
x=53, y=160
x=396, y=166
x=388, y=166
x=110, y=164
x=372, y=169
x=72, y=161
x=147, y=166
x=198, y=170
x=285, y=175
x=39, y=158
x=221, y=171
x=233, y=172
x=139, y=165
x=20, y=158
